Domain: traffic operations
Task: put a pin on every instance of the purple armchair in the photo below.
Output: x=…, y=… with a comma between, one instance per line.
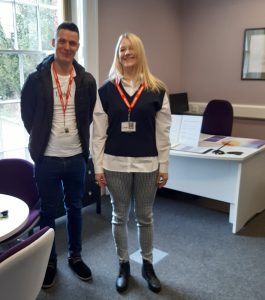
x=16, y=179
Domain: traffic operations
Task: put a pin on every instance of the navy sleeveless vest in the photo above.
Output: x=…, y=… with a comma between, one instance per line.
x=141, y=143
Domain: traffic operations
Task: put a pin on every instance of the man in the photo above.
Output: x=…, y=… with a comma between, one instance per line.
x=57, y=103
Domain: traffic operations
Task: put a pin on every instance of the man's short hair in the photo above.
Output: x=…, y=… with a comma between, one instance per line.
x=68, y=26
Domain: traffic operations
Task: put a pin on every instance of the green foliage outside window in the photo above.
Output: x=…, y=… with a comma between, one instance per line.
x=9, y=77
x=23, y=47
x=26, y=30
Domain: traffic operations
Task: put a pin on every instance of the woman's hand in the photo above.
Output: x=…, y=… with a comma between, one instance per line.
x=100, y=179
x=162, y=179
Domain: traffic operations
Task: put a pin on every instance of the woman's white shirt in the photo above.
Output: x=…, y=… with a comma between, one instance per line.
x=131, y=164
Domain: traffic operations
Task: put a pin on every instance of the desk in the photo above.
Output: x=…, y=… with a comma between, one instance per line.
x=18, y=213
x=238, y=180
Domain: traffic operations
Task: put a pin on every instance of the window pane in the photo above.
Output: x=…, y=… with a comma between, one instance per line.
x=30, y=61
x=50, y=2
x=9, y=77
x=27, y=1
x=13, y=136
x=27, y=29
x=48, y=25
x=6, y=26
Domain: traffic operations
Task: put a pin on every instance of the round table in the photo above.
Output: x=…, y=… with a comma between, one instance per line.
x=18, y=213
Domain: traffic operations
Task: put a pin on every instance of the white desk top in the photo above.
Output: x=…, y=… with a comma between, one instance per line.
x=18, y=213
x=245, y=146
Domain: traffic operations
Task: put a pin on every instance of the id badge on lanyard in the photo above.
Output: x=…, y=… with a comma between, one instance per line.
x=129, y=126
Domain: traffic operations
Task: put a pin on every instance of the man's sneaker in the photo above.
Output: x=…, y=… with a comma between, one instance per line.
x=49, y=278
x=80, y=268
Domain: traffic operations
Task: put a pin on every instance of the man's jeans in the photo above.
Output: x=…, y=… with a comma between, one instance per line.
x=62, y=179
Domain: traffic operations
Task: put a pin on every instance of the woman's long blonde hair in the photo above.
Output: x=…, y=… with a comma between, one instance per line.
x=151, y=82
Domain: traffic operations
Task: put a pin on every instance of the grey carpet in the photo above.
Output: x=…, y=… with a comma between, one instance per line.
x=205, y=260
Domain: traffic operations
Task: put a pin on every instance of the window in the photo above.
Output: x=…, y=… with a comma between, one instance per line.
x=26, y=30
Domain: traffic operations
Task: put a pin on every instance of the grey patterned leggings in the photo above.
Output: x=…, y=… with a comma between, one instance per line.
x=123, y=188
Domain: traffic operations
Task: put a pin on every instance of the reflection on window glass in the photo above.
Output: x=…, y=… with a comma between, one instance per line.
x=9, y=77
x=6, y=26
x=27, y=29
x=50, y=2
x=27, y=1
x=47, y=16
x=13, y=138
x=30, y=61
x=12, y=135
x=11, y=113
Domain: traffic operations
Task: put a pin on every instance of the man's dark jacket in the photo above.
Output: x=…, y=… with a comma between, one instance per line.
x=37, y=104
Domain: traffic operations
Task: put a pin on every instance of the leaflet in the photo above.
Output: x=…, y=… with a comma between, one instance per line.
x=185, y=130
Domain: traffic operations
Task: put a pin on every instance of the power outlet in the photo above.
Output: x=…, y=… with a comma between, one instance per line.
x=193, y=108
x=197, y=107
x=200, y=109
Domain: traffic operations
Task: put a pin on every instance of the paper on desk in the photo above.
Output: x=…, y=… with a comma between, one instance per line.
x=174, y=129
x=185, y=130
x=190, y=130
x=189, y=148
x=235, y=141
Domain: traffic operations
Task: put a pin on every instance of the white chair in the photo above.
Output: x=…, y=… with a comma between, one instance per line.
x=23, y=267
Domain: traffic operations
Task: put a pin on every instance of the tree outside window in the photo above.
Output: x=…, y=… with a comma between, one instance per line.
x=26, y=30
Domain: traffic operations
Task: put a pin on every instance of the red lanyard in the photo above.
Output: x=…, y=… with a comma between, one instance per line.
x=135, y=99
x=63, y=104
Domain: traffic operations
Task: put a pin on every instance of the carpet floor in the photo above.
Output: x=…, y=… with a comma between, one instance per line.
x=198, y=257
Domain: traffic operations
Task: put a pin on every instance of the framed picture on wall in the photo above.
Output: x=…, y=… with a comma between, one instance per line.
x=253, y=64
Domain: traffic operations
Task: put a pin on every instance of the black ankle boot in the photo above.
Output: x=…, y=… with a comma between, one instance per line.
x=123, y=277
x=150, y=276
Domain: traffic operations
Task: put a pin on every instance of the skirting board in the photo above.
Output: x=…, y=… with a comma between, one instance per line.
x=240, y=110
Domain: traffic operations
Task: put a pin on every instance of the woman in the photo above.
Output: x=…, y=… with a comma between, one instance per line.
x=131, y=150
